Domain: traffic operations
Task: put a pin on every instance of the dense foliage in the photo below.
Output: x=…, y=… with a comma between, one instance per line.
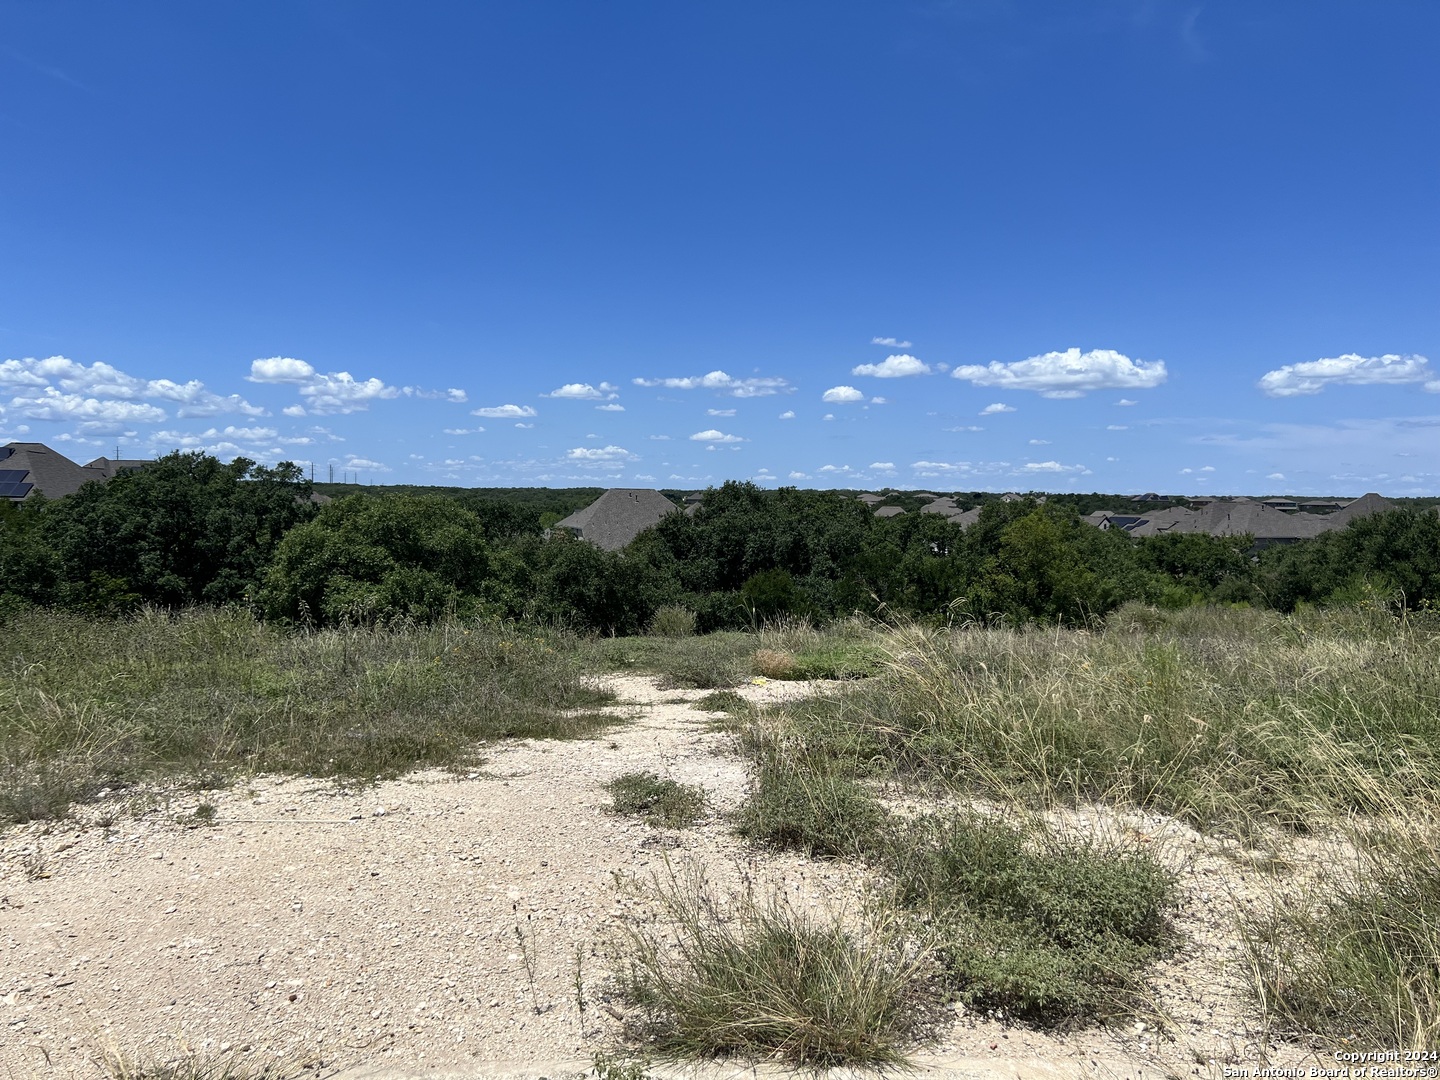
x=190, y=530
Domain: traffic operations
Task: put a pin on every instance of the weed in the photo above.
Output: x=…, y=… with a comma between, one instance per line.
x=616, y=1067
x=658, y=801
x=726, y=701
x=1042, y=929
x=673, y=621
x=800, y=803
x=747, y=975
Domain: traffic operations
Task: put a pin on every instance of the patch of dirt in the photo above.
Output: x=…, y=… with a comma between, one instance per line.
x=460, y=921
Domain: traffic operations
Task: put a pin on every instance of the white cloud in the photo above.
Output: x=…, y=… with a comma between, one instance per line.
x=1054, y=467
x=463, y=431
x=828, y=416
x=1126, y=401
x=998, y=407
x=366, y=463
x=722, y=383
x=1207, y=468
x=799, y=476
x=1275, y=476
x=660, y=438
x=51, y=404
x=294, y=410
x=966, y=427
x=340, y=392
x=893, y=367
x=893, y=343
x=788, y=414
x=842, y=394
x=1039, y=442
x=1067, y=374
x=719, y=412
x=1348, y=370
x=583, y=391
x=600, y=453
x=713, y=436
x=280, y=369
x=1117, y=427
x=611, y=408
x=524, y=425
x=879, y=401
x=882, y=466
x=835, y=468
x=100, y=380
x=503, y=412
x=458, y=397
x=1186, y=472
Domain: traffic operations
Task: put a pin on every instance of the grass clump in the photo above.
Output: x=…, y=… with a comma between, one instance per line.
x=726, y=701
x=673, y=621
x=752, y=976
x=207, y=694
x=659, y=801
x=1356, y=954
x=1046, y=930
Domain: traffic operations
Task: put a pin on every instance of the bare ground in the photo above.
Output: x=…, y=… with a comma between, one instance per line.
x=456, y=923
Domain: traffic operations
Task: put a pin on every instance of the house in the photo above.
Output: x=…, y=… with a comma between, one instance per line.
x=888, y=511
x=27, y=467
x=871, y=500
x=618, y=516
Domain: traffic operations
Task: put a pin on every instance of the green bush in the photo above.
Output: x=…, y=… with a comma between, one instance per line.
x=1043, y=929
x=657, y=800
x=673, y=621
x=794, y=803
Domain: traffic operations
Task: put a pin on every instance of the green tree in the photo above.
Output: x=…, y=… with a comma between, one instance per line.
x=187, y=529
x=371, y=559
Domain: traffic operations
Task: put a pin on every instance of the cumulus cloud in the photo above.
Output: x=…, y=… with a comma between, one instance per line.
x=893, y=367
x=1067, y=374
x=463, y=431
x=458, y=397
x=331, y=392
x=98, y=413
x=714, y=436
x=1275, y=476
x=1348, y=370
x=879, y=401
x=612, y=407
x=799, y=476
x=503, y=412
x=1039, y=442
x=583, y=391
x=58, y=374
x=294, y=410
x=280, y=369
x=721, y=383
x=1126, y=401
x=998, y=407
x=842, y=394
x=1055, y=467
x=719, y=412
x=788, y=414
x=600, y=453
x=882, y=466
x=893, y=343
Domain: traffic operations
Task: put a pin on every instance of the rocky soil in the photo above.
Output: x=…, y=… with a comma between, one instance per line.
x=464, y=924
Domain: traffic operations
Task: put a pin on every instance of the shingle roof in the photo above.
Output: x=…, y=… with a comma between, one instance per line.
x=48, y=470
x=618, y=516
x=871, y=500
x=888, y=511
x=1369, y=503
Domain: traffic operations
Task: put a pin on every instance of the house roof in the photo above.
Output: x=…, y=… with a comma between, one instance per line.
x=943, y=505
x=1369, y=503
x=871, y=500
x=110, y=467
x=46, y=470
x=888, y=511
x=618, y=516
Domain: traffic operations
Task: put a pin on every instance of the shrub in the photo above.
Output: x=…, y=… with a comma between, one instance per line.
x=805, y=805
x=673, y=621
x=658, y=801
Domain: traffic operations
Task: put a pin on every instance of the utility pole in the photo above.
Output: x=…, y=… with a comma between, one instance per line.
x=332, y=472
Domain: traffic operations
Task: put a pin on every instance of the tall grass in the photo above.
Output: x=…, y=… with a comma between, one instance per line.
x=204, y=693
x=751, y=975
x=1208, y=714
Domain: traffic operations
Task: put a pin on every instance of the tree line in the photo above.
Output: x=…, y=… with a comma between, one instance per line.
x=191, y=530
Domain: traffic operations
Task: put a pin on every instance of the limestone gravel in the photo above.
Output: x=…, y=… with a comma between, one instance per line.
x=458, y=922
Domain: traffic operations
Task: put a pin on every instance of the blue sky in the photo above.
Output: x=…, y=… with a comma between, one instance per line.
x=1114, y=245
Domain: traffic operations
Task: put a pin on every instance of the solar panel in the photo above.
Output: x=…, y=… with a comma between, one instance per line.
x=12, y=476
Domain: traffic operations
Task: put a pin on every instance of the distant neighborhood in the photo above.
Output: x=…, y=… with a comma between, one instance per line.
x=619, y=515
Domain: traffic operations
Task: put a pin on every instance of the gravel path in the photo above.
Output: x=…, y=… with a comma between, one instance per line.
x=435, y=923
